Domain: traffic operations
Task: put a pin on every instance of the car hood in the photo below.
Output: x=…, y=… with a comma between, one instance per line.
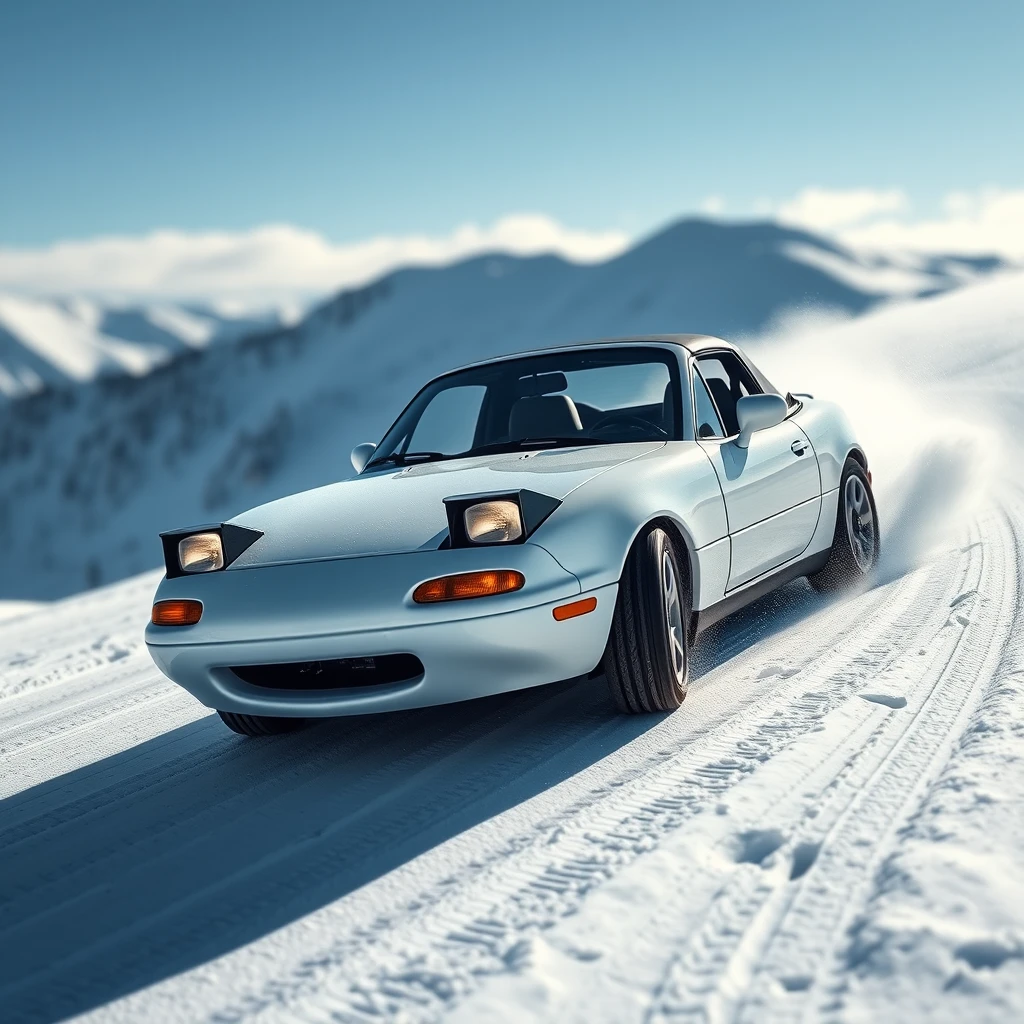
x=403, y=510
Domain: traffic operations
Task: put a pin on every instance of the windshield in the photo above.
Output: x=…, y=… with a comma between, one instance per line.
x=603, y=396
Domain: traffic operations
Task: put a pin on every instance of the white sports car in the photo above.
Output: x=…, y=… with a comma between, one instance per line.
x=528, y=519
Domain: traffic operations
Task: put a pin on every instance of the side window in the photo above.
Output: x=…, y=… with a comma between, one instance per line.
x=705, y=413
x=728, y=380
x=448, y=424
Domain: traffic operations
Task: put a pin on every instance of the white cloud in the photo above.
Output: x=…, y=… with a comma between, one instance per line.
x=713, y=206
x=822, y=209
x=991, y=221
x=282, y=263
x=273, y=262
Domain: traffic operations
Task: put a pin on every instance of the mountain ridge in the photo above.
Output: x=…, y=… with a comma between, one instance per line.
x=90, y=472
x=55, y=342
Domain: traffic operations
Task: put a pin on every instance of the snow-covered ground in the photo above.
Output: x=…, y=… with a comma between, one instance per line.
x=829, y=828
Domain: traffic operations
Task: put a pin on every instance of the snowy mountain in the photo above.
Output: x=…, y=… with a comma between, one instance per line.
x=828, y=829
x=90, y=473
x=54, y=342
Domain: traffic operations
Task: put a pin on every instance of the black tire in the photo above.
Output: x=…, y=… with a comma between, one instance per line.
x=647, y=660
x=855, y=544
x=259, y=725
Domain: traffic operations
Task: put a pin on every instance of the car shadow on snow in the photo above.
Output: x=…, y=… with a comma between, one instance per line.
x=189, y=845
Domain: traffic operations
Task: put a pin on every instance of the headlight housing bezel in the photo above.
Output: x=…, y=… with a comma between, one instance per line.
x=233, y=541
x=533, y=509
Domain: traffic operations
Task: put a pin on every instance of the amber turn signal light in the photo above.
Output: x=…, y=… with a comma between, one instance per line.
x=570, y=611
x=177, y=613
x=469, y=584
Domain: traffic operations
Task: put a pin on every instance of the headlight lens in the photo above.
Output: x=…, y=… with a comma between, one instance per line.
x=493, y=522
x=201, y=552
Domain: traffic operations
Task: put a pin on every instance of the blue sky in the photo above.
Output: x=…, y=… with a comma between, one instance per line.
x=358, y=119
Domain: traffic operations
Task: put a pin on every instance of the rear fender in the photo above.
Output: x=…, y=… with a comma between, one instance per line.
x=831, y=435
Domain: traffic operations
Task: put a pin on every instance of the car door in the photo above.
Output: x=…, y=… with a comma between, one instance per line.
x=772, y=488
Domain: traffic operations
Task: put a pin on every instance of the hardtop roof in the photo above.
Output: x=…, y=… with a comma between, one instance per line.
x=693, y=343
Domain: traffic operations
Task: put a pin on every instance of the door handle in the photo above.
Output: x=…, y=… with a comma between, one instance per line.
x=798, y=447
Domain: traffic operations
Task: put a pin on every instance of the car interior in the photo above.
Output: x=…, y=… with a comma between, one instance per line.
x=604, y=398
x=539, y=416
x=545, y=405
x=727, y=381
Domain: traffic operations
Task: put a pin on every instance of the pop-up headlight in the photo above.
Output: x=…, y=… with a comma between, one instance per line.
x=202, y=552
x=493, y=522
x=205, y=548
x=495, y=518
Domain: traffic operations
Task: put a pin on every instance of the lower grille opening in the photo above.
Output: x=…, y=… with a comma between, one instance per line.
x=337, y=674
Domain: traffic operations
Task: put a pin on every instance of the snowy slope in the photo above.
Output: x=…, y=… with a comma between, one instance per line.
x=89, y=475
x=46, y=342
x=829, y=828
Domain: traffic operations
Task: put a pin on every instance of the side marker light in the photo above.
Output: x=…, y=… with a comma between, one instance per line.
x=570, y=611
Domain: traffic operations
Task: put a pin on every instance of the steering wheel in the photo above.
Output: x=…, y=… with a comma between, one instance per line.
x=617, y=424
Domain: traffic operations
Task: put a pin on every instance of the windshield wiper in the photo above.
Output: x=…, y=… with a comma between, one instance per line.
x=535, y=442
x=562, y=442
x=495, y=447
x=405, y=458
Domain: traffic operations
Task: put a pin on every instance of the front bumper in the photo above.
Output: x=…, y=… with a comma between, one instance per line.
x=361, y=607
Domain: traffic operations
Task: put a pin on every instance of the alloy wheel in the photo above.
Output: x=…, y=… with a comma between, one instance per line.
x=860, y=522
x=673, y=619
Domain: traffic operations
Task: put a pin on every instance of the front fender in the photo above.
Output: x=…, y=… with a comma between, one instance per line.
x=591, y=532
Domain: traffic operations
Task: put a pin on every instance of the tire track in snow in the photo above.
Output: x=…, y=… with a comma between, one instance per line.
x=78, y=685
x=398, y=799
x=52, y=729
x=817, y=918
x=415, y=967
x=989, y=690
x=70, y=641
x=573, y=728
x=762, y=945
x=163, y=778
x=406, y=802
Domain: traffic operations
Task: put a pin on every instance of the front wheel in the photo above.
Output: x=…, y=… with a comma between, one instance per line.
x=259, y=725
x=647, y=660
x=855, y=544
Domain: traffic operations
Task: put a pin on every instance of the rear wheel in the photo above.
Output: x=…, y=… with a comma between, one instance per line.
x=259, y=725
x=647, y=660
x=855, y=544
